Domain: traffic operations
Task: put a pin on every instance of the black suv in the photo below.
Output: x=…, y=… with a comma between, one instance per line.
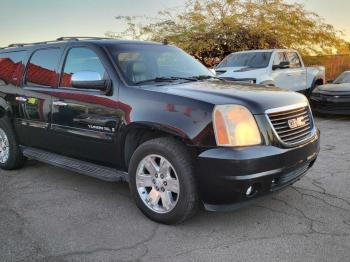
x=149, y=114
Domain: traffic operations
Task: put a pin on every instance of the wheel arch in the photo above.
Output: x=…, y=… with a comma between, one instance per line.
x=135, y=134
x=317, y=82
x=5, y=108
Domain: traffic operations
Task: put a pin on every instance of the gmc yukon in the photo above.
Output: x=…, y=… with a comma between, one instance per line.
x=151, y=115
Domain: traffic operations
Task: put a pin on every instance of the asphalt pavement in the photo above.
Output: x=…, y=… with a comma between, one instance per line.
x=50, y=214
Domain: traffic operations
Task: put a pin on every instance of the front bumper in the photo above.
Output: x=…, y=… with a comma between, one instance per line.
x=331, y=104
x=226, y=174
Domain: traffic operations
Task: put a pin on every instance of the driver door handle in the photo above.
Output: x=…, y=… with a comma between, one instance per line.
x=59, y=103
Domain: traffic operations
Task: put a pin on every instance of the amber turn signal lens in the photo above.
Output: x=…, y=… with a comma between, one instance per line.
x=234, y=125
x=221, y=131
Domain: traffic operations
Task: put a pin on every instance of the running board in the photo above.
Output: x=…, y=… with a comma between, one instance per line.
x=75, y=165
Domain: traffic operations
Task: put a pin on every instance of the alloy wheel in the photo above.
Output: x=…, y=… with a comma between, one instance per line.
x=157, y=183
x=4, y=147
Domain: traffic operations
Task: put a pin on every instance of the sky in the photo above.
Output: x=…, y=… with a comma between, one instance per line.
x=39, y=20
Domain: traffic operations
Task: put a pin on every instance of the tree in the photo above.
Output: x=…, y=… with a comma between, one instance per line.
x=211, y=29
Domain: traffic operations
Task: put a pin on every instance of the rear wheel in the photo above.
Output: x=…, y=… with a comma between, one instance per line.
x=162, y=181
x=10, y=154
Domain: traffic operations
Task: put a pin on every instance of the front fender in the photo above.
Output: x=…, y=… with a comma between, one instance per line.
x=265, y=78
x=268, y=81
x=186, y=118
x=314, y=74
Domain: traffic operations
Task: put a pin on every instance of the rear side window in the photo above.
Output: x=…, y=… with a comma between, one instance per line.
x=11, y=67
x=81, y=59
x=42, y=70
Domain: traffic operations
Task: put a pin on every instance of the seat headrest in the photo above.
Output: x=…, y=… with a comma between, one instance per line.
x=139, y=68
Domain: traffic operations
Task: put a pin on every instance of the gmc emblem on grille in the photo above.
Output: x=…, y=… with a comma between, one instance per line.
x=296, y=122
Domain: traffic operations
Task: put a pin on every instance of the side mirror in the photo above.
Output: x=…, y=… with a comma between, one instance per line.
x=89, y=80
x=282, y=65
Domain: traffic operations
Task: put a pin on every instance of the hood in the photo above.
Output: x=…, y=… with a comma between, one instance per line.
x=335, y=88
x=234, y=69
x=240, y=72
x=256, y=98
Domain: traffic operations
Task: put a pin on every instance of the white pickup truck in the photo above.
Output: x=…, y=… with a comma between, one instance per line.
x=274, y=67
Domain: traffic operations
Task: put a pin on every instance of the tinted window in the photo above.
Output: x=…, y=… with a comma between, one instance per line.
x=42, y=68
x=294, y=60
x=343, y=78
x=248, y=59
x=11, y=67
x=79, y=60
x=145, y=62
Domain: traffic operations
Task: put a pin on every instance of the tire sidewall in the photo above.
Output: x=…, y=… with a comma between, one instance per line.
x=182, y=172
x=11, y=161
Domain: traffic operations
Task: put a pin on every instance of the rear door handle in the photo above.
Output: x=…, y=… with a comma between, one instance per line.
x=59, y=103
x=21, y=99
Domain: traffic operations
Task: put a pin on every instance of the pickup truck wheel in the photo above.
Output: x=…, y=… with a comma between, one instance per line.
x=10, y=154
x=162, y=181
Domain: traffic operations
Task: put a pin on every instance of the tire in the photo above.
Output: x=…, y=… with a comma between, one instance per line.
x=174, y=157
x=11, y=156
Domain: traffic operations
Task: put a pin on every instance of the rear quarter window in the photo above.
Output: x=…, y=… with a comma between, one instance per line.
x=11, y=67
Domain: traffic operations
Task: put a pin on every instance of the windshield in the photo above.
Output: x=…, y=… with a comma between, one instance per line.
x=343, y=78
x=147, y=63
x=249, y=59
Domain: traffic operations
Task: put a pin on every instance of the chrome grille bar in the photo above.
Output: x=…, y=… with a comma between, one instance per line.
x=292, y=125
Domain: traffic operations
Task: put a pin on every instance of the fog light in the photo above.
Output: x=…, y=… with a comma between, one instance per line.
x=249, y=191
x=274, y=181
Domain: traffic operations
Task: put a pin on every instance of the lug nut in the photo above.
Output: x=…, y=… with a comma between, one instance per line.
x=157, y=188
x=162, y=189
x=165, y=183
x=156, y=175
x=154, y=181
x=161, y=176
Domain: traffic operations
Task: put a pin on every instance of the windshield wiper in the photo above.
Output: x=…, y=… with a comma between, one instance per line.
x=202, y=77
x=165, y=79
x=205, y=77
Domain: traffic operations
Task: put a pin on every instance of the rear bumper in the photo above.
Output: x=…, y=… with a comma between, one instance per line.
x=225, y=174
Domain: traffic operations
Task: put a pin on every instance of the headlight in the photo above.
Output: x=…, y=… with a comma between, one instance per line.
x=234, y=125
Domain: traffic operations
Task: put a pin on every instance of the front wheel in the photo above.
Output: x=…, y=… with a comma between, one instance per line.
x=162, y=181
x=10, y=154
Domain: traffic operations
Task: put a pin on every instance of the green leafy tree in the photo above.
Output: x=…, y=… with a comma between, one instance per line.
x=211, y=29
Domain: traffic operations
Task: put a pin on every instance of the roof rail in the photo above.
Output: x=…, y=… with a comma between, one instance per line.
x=77, y=38
x=60, y=39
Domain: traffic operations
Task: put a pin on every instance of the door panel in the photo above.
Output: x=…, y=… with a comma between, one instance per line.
x=84, y=125
x=34, y=114
x=84, y=122
x=282, y=77
x=297, y=72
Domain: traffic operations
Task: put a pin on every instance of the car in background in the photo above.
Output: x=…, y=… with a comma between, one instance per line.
x=333, y=98
x=274, y=67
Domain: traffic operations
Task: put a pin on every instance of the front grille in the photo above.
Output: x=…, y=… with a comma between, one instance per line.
x=292, y=126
